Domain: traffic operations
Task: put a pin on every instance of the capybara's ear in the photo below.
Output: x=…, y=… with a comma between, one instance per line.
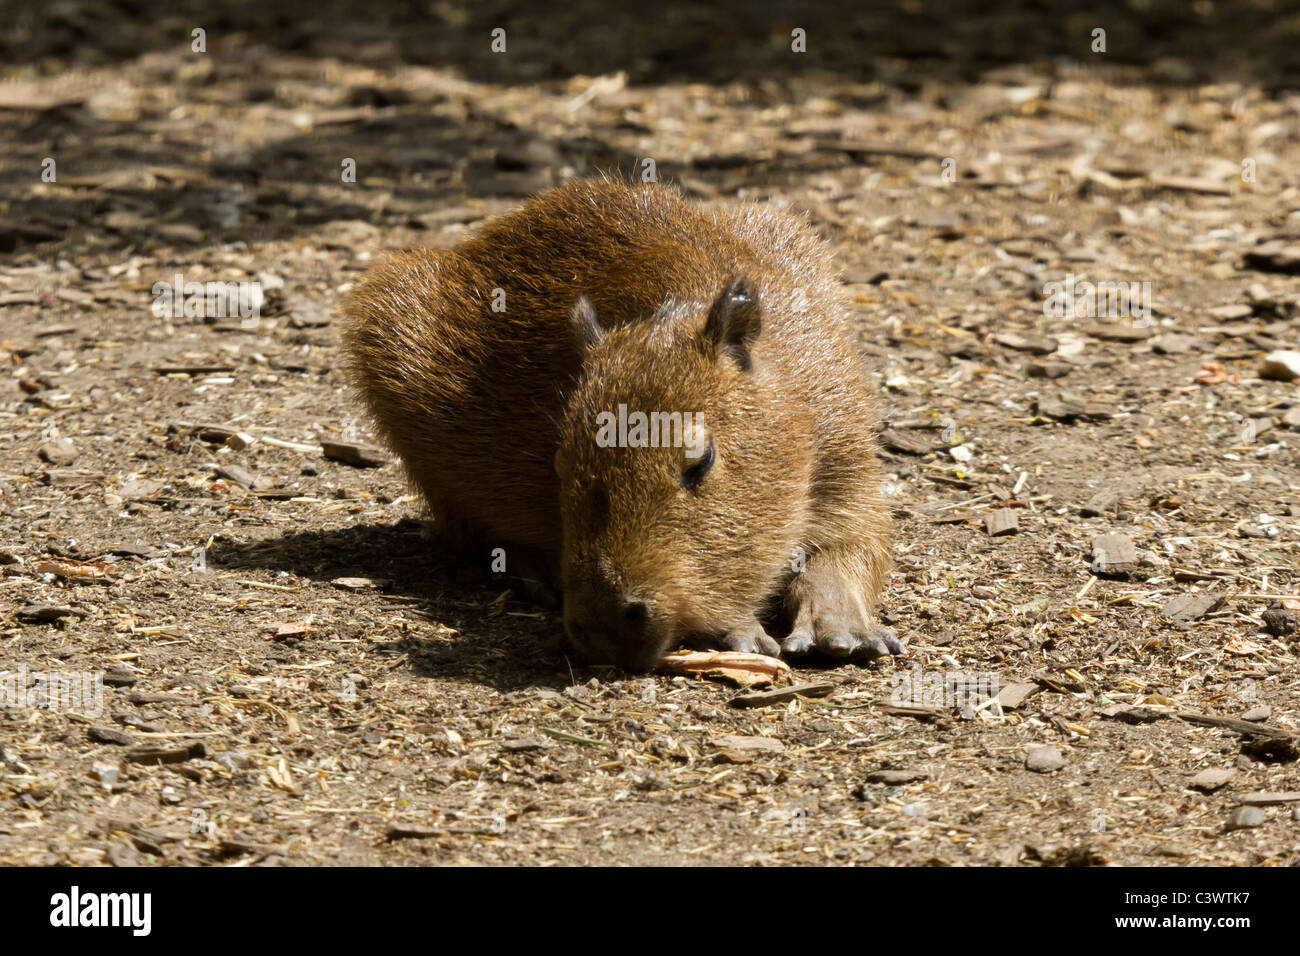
x=734, y=322
x=584, y=326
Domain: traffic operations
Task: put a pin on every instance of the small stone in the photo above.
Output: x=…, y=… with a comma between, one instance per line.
x=61, y=451
x=109, y=735
x=1260, y=296
x=1244, y=818
x=1281, y=621
x=1121, y=332
x=1255, y=714
x=1207, y=781
x=1291, y=417
x=1035, y=344
x=1171, y=343
x=360, y=584
x=896, y=778
x=1281, y=366
x=119, y=677
x=1231, y=313
x=1048, y=369
x=212, y=433
x=1044, y=758
x=139, y=488
x=1273, y=256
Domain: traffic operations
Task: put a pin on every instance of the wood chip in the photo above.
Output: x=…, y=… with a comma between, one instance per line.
x=1265, y=798
x=1099, y=504
x=350, y=453
x=47, y=613
x=780, y=695
x=744, y=669
x=409, y=831
x=1190, y=607
x=1011, y=696
x=1000, y=522
x=161, y=755
x=750, y=744
x=1113, y=555
x=909, y=444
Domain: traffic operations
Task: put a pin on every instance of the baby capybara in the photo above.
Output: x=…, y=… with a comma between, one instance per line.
x=659, y=402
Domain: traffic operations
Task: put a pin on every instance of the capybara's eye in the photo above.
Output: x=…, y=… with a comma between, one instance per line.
x=695, y=472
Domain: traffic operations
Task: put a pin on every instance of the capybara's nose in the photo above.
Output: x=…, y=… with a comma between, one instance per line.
x=635, y=614
x=627, y=624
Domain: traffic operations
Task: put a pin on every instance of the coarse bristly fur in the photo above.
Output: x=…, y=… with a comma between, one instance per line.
x=621, y=295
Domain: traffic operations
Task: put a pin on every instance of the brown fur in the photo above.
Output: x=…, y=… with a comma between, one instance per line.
x=494, y=416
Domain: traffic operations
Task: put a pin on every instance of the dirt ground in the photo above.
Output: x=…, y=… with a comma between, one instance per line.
x=294, y=673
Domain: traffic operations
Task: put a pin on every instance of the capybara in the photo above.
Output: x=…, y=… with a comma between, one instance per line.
x=659, y=404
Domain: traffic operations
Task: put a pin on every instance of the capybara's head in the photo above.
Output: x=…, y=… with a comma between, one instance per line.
x=685, y=475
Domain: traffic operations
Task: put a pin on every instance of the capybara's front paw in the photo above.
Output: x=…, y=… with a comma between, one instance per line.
x=750, y=639
x=858, y=642
x=831, y=620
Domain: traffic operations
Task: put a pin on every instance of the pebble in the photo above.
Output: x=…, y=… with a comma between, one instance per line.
x=1212, y=779
x=1230, y=313
x=1243, y=818
x=1044, y=758
x=1282, y=366
x=109, y=735
x=895, y=778
x=61, y=451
